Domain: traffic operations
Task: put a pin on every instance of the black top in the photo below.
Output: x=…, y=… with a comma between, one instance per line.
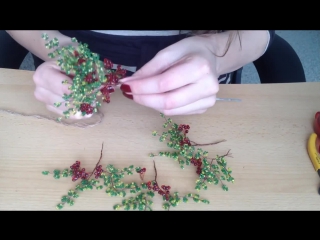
x=135, y=51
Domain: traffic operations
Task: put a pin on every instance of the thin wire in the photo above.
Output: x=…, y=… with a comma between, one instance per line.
x=85, y=125
x=228, y=99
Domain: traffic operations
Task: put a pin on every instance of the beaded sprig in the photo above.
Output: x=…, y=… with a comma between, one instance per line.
x=210, y=170
x=93, y=80
x=112, y=177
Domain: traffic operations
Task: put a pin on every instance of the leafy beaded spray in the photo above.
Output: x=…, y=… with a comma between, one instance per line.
x=92, y=78
x=209, y=170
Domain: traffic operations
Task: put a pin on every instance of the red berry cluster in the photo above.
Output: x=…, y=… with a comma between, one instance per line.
x=113, y=78
x=98, y=171
x=77, y=172
x=197, y=163
x=142, y=170
x=185, y=141
x=90, y=78
x=87, y=108
x=164, y=191
x=80, y=58
x=185, y=129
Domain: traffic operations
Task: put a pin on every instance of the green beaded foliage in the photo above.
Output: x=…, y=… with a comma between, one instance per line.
x=186, y=153
x=89, y=75
x=112, y=180
x=140, y=194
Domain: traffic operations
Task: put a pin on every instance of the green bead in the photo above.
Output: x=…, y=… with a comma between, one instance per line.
x=51, y=55
x=185, y=199
x=116, y=207
x=196, y=199
x=134, y=206
x=205, y=201
x=64, y=199
x=44, y=36
x=45, y=172
x=99, y=187
x=59, y=206
x=225, y=188
x=142, y=206
x=56, y=176
x=71, y=203
x=127, y=207
x=70, y=193
x=150, y=193
x=122, y=194
x=166, y=206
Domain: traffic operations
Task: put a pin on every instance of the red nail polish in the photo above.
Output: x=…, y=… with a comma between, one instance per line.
x=127, y=95
x=125, y=88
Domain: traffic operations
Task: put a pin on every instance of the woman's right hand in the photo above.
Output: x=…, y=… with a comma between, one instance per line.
x=49, y=88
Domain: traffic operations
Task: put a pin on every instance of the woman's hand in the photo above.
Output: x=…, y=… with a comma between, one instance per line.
x=49, y=88
x=181, y=79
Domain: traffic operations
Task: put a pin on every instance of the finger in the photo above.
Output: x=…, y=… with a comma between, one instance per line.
x=197, y=107
x=188, y=71
x=47, y=96
x=180, y=97
x=49, y=99
x=48, y=76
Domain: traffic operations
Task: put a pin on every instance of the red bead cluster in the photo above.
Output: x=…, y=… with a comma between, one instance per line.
x=185, y=129
x=77, y=172
x=163, y=191
x=197, y=163
x=113, y=79
x=87, y=108
x=107, y=88
x=98, y=171
x=142, y=170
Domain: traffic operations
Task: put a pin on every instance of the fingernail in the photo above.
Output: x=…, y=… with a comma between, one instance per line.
x=125, y=88
x=128, y=95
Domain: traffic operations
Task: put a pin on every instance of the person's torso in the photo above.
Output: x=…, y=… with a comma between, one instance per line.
x=131, y=48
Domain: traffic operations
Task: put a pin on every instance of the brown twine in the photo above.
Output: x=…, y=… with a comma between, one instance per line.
x=76, y=124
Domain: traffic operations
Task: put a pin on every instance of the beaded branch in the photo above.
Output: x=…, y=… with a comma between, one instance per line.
x=91, y=77
x=112, y=181
x=210, y=170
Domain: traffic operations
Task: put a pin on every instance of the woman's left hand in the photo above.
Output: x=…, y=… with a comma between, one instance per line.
x=181, y=79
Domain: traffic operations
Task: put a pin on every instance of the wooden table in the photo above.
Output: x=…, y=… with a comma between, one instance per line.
x=267, y=134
